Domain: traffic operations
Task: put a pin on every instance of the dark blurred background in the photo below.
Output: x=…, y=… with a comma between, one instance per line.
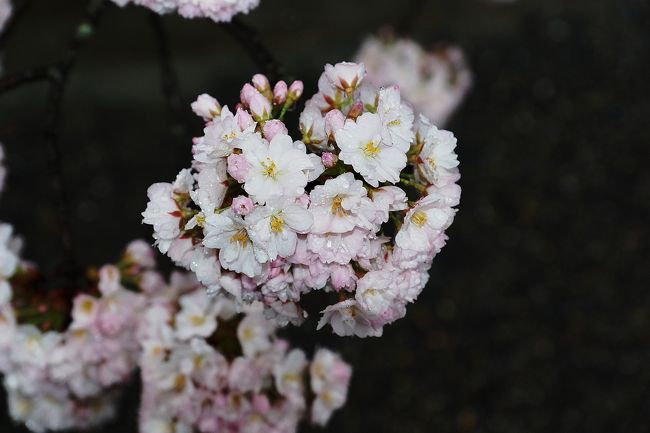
x=537, y=315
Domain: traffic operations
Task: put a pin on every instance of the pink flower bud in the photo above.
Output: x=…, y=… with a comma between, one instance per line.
x=261, y=403
x=334, y=120
x=329, y=159
x=296, y=89
x=206, y=107
x=247, y=93
x=280, y=93
x=303, y=200
x=261, y=83
x=260, y=107
x=242, y=205
x=244, y=119
x=141, y=253
x=109, y=279
x=356, y=110
x=274, y=127
x=238, y=167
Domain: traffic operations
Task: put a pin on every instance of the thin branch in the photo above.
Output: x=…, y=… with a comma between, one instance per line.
x=18, y=79
x=169, y=78
x=57, y=74
x=58, y=78
x=250, y=39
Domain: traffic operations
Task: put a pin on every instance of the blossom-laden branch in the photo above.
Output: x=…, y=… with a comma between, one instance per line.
x=252, y=43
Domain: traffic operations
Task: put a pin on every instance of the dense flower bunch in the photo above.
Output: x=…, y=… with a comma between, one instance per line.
x=358, y=207
x=206, y=368
x=5, y=12
x=64, y=372
x=216, y=10
x=434, y=82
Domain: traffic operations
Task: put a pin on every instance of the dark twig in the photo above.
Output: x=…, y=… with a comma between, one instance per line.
x=57, y=74
x=250, y=39
x=58, y=78
x=411, y=17
x=12, y=81
x=170, y=82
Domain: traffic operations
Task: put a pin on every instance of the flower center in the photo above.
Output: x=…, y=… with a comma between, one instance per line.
x=337, y=207
x=240, y=236
x=291, y=377
x=248, y=334
x=395, y=122
x=419, y=218
x=179, y=382
x=87, y=306
x=197, y=320
x=270, y=169
x=432, y=163
x=277, y=223
x=230, y=136
x=371, y=149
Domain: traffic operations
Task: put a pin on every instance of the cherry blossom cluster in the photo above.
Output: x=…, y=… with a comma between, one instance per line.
x=357, y=208
x=216, y=10
x=61, y=375
x=206, y=368
x=434, y=82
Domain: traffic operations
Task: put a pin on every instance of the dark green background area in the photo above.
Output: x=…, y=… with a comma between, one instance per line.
x=537, y=315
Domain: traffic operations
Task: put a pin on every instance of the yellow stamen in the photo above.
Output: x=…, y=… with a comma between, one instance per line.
x=240, y=236
x=248, y=334
x=371, y=149
x=395, y=122
x=87, y=306
x=337, y=208
x=230, y=136
x=179, y=382
x=197, y=320
x=290, y=377
x=419, y=218
x=277, y=224
x=270, y=169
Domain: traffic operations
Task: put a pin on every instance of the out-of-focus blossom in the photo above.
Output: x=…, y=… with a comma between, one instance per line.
x=63, y=366
x=435, y=82
x=241, y=377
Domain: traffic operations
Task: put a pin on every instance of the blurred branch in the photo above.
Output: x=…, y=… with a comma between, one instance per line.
x=170, y=82
x=11, y=81
x=57, y=74
x=251, y=41
x=411, y=17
